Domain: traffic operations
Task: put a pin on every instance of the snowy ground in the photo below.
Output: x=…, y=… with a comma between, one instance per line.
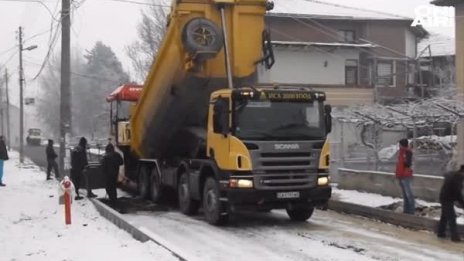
x=32, y=224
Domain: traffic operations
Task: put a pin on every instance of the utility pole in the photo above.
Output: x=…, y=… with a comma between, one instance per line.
x=7, y=111
x=21, y=104
x=65, y=90
x=21, y=99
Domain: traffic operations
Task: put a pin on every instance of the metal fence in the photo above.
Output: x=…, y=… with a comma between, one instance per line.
x=366, y=138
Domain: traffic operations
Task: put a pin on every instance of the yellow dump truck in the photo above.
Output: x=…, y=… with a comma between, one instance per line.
x=203, y=128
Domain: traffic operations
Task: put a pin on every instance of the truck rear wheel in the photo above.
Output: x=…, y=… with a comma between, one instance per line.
x=214, y=210
x=156, y=189
x=300, y=214
x=187, y=205
x=143, y=182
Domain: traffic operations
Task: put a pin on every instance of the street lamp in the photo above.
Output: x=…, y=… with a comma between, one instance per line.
x=21, y=102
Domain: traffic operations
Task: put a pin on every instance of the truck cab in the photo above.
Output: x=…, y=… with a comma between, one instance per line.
x=269, y=145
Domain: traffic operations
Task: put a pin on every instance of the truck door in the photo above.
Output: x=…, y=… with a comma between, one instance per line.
x=219, y=122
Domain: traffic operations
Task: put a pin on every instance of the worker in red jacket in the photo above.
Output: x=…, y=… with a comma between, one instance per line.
x=404, y=175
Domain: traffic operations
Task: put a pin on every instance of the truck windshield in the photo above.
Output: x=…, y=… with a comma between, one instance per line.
x=266, y=120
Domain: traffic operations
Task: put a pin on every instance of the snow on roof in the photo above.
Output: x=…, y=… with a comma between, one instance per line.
x=441, y=45
x=364, y=45
x=329, y=10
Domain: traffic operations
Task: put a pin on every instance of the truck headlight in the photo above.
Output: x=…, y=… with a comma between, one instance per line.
x=240, y=183
x=322, y=181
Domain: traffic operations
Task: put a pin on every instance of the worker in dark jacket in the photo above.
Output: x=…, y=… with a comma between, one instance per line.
x=51, y=160
x=78, y=164
x=3, y=157
x=403, y=173
x=450, y=193
x=110, y=167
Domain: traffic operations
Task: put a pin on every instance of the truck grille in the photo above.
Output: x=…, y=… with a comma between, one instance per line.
x=290, y=169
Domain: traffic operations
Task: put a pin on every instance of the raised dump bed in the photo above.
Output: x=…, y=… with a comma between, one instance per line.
x=191, y=64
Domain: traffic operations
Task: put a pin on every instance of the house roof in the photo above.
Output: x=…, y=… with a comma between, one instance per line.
x=327, y=10
x=441, y=45
x=324, y=10
x=304, y=44
x=447, y=2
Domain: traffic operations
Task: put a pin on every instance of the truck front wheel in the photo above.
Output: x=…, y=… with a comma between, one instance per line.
x=300, y=214
x=187, y=205
x=214, y=210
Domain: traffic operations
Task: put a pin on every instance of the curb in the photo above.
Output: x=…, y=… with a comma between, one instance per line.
x=399, y=219
x=137, y=233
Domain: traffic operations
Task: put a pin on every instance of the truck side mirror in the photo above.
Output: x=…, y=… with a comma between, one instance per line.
x=328, y=117
x=221, y=116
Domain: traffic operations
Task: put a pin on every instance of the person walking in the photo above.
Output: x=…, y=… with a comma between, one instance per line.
x=78, y=163
x=404, y=175
x=110, y=167
x=451, y=191
x=3, y=157
x=51, y=160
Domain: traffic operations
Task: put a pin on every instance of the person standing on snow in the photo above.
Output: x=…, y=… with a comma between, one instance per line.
x=110, y=168
x=3, y=157
x=78, y=164
x=51, y=160
x=404, y=175
x=451, y=191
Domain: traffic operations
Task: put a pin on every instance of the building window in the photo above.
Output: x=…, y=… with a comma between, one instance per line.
x=351, y=72
x=346, y=36
x=385, y=73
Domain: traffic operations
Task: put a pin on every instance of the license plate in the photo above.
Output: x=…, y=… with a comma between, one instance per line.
x=288, y=194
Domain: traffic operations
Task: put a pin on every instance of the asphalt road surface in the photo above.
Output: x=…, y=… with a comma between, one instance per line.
x=271, y=236
x=37, y=155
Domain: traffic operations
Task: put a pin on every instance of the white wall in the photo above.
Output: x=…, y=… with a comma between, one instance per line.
x=308, y=66
x=410, y=44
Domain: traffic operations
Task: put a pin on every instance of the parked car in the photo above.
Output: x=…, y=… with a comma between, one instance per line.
x=34, y=137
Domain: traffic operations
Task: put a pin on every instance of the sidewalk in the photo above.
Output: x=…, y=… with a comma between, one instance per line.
x=32, y=224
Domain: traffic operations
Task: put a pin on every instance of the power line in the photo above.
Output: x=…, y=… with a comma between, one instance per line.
x=9, y=59
x=34, y=1
x=8, y=50
x=76, y=73
x=356, y=8
x=140, y=3
x=334, y=33
x=51, y=46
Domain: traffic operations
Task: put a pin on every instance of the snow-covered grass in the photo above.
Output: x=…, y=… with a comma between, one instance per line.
x=32, y=224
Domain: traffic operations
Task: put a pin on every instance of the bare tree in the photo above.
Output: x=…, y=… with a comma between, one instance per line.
x=93, y=78
x=150, y=31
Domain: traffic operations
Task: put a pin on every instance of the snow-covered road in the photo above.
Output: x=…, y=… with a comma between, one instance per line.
x=270, y=236
x=32, y=224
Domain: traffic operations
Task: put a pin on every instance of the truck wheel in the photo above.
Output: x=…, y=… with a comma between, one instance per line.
x=300, y=214
x=156, y=189
x=143, y=182
x=201, y=36
x=187, y=205
x=213, y=208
